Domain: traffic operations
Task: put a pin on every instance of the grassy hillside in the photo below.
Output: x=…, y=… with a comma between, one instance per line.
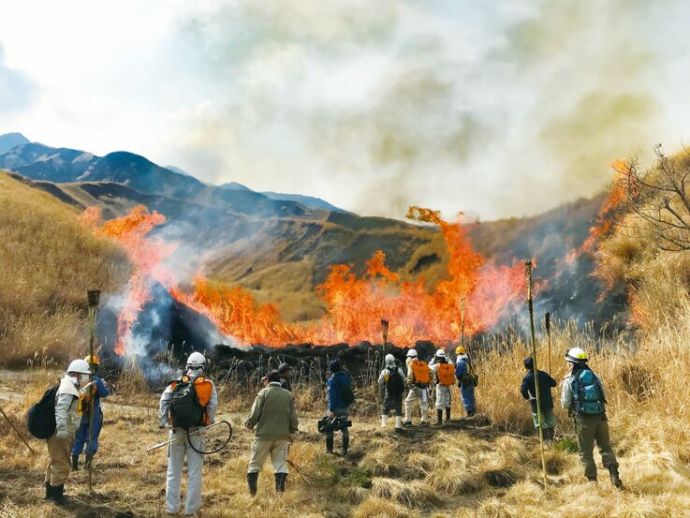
x=48, y=261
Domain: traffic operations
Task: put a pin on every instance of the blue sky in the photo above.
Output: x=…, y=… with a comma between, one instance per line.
x=493, y=108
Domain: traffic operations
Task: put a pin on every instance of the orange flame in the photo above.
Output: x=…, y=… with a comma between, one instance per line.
x=146, y=256
x=353, y=306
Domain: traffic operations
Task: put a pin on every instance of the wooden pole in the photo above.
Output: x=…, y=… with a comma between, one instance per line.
x=535, y=370
x=384, y=333
x=15, y=429
x=548, y=335
x=93, y=298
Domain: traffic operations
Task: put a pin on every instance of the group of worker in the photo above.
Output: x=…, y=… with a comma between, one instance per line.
x=78, y=422
x=440, y=374
x=189, y=404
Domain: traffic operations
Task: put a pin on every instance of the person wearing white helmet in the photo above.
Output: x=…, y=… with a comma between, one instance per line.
x=418, y=379
x=68, y=410
x=444, y=376
x=186, y=405
x=391, y=387
x=583, y=397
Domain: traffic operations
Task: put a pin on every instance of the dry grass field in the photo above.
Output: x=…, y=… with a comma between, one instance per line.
x=488, y=466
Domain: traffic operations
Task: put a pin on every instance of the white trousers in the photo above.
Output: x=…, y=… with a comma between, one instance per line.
x=442, y=397
x=177, y=451
x=421, y=395
x=261, y=449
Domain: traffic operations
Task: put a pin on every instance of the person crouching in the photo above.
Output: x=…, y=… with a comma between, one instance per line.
x=275, y=418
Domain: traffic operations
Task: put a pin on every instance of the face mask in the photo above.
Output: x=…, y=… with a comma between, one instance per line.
x=83, y=379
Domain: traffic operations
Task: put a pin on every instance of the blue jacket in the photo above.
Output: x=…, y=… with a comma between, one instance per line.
x=101, y=391
x=546, y=383
x=335, y=384
x=462, y=367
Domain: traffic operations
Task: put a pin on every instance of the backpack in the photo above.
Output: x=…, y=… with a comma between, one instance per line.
x=588, y=395
x=41, y=416
x=395, y=385
x=185, y=409
x=446, y=374
x=421, y=372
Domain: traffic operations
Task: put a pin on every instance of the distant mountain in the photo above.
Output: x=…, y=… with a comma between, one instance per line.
x=309, y=201
x=234, y=186
x=10, y=140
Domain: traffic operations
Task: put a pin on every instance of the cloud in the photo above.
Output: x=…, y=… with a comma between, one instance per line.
x=16, y=89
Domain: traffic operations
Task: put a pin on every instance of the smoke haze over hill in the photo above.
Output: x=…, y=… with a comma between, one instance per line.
x=500, y=110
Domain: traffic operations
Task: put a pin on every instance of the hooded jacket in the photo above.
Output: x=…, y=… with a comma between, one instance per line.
x=67, y=408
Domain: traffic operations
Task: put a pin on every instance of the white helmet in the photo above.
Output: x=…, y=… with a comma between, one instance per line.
x=440, y=353
x=576, y=355
x=389, y=359
x=412, y=353
x=79, y=367
x=196, y=360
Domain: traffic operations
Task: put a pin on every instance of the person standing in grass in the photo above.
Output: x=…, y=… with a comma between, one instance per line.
x=68, y=411
x=467, y=380
x=186, y=406
x=340, y=397
x=98, y=390
x=528, y=391
x=444, y=374
x=583, y=397
x=274, y=416
x=418, y=379
x=392, y=386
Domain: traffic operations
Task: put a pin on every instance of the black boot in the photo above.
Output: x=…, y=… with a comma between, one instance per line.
x=89, y=460
x=615, y=478
x=75, y=462
x=448, y=414
x=346, y=445
x=49, y=491
x=329, y=444
x=439, y=416
x=252, y=483
x=281, y=478
x=57, y=494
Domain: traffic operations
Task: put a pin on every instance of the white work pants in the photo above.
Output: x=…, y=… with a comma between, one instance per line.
x=442, y=397
x=177, y=451
x=421, y=395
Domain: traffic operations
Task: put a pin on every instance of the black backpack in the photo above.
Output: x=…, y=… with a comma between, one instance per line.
x=395, y=385
x=41, y=416
x=185, y=409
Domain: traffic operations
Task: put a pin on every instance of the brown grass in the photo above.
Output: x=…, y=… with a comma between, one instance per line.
x=48, y=261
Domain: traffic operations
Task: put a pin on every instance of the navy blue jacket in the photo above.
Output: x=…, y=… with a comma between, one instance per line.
x=546, y=383
x=335, y=384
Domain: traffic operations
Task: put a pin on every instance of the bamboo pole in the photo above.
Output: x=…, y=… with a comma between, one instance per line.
x=15, y=429
x=93, y=297
x=384, y=334
x=548, y=335
x=535, y=370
